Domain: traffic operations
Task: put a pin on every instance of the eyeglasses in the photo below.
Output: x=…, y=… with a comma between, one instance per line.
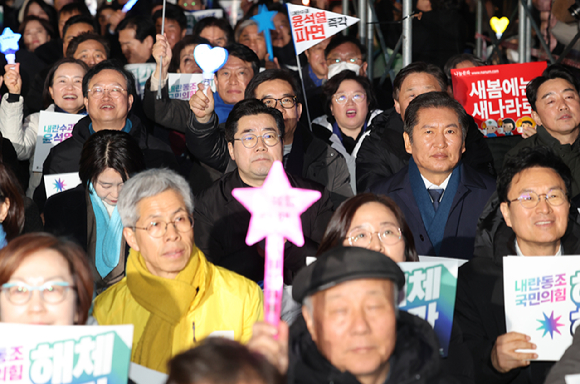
x=158, y=228
x=285, y=102
x=250, y=140
x=52, y=292
x=362, y=237
x=338, y=60
x=342, y=98
x=554, y=197
x=114, y=92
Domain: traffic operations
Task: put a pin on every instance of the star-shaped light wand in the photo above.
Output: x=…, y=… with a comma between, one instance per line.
x=264, y=19
x=276, y=208
x=9, y=45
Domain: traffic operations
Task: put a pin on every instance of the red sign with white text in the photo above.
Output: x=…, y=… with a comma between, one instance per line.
x=495, y=96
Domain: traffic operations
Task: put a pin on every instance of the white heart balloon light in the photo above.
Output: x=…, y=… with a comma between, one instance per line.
x=209, y=59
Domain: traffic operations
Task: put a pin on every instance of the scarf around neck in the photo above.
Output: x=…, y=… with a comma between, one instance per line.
x=109, y=235
x=434, y=222
x=167, y=300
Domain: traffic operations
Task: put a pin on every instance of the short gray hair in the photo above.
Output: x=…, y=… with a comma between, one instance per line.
x=243, y=25
x=147, y=184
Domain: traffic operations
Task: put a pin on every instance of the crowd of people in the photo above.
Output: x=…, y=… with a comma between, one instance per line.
x=153, y=237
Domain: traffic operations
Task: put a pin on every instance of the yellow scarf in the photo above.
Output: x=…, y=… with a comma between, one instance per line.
x=167, y=300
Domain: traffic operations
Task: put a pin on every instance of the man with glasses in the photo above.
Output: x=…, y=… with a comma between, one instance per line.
x=303, y=154
x=108, y=92
x=440, y=196
x=534, y=191
x=254, y=134
x=172, y=295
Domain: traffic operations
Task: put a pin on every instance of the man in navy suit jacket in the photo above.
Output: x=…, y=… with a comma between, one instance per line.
x=440, y=196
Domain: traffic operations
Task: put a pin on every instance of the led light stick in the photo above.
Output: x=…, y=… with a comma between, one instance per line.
x=210, y=60
x=127, y=7
x=9, y=45
x=264, y=19
x=276, y=208
x=499, y=25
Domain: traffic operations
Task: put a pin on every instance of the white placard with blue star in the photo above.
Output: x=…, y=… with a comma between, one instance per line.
x=542, y=300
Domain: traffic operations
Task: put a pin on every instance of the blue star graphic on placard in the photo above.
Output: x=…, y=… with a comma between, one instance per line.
x=549, y=324
x=9, y=41
x=59, y=185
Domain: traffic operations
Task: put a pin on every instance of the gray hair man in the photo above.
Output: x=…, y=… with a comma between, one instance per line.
x=170, y=285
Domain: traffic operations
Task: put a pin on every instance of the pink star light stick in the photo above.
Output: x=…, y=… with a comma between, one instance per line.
x=276, y=208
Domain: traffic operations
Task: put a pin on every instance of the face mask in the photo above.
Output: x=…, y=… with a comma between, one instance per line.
x=335, y=69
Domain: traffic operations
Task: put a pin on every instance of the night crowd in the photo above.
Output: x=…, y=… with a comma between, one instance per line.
x=152, y=236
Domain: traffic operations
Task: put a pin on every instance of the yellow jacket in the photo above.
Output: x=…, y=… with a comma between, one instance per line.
x=229, y=306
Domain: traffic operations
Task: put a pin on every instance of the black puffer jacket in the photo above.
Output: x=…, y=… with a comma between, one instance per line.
x=415, y=359
x=479, y=307
x=65, y=157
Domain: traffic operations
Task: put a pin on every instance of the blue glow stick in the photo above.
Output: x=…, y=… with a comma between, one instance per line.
x=264, y=19
x=127, y=7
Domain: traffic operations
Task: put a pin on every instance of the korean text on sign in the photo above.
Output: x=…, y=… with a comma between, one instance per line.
x=543, y=289
x=11, y=362
x=309, y=26
x=498, y=99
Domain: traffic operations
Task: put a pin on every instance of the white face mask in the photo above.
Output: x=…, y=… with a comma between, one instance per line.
x=335, y=69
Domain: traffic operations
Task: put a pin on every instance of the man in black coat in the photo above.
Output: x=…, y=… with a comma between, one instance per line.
x=534, y=190
x=254, y=135
x=351, y=331
x=441, y=196
x=108, y=92
x=382, y=153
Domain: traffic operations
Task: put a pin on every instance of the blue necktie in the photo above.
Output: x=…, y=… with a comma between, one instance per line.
x=435, y=195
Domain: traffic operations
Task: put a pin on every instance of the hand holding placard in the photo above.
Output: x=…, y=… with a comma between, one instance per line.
x=9, y=45
x=210, y=60
x=276, y=208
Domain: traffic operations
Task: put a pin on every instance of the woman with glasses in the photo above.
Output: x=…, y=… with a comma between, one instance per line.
x=44, y=281
x=350, y=110
x=371, y=221
x=62, y=93
x=88, y=213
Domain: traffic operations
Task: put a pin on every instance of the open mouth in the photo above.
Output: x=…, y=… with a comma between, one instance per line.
x=351, y=113
x=107, y=106
x=70, y=97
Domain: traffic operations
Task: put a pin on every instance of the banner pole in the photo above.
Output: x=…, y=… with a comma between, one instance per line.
x=304, y=93
x=161, y=58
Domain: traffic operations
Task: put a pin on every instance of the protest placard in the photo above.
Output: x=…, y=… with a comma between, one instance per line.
x=429, y=293
x=495, y=96
x=60, y=182
x=53, y=128
x=143, y=375
x=183, y=85
x=40, y=354
x=194, y=16
x=542, y=300
x=142, y=73
x=312, y=25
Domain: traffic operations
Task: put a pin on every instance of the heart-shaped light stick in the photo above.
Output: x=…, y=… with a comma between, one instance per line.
x=210, y=60
x=276, y=208
x=499, y=25
x=9, y=45
x=264, y=19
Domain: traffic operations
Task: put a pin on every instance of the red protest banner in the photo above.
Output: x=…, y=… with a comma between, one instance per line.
x=496, y=96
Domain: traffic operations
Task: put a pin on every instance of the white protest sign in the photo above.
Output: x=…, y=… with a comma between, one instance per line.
x=194, y=16
x=542, y=300
x=53, y=128
x=429, y=293
x=312, y=25
x=183, y=85
x=60, y=182
x=572, y=379
x=65, y=354
x=142, y=73
x=143, y=375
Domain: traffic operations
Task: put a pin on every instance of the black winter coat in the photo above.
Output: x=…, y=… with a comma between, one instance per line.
x=415, y=359
x=221, y=226
x=479, y=308
x=65, y=157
